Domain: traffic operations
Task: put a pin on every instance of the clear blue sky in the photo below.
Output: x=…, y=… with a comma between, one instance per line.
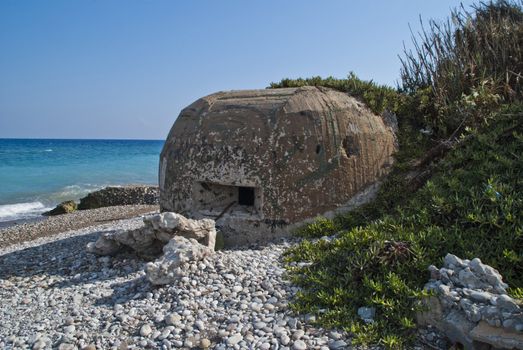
x=125, y=69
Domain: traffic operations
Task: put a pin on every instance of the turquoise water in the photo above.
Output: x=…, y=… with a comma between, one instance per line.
x=36, y=174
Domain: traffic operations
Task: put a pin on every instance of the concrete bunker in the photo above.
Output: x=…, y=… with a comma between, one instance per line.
x=261, y=162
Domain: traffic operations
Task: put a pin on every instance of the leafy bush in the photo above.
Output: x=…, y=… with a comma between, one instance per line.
x=377, y=97
x=471, y=207
x=474, y=57
x=456, y=86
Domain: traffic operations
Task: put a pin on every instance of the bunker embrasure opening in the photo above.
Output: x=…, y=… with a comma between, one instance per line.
x=246, y=196
x=214, y=200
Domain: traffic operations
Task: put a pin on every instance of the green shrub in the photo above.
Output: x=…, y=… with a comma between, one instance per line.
x=377, y=97
x=474, y=57
x=456, y=86
x=471, y=207
x=320, y=227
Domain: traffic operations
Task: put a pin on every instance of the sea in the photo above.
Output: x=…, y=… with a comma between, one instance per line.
x=37, y=174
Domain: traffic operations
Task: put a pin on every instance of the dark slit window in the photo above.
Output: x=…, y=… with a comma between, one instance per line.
x=246, y=196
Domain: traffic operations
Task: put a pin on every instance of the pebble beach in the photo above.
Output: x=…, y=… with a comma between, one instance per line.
x=56, y=295
x=17, y=234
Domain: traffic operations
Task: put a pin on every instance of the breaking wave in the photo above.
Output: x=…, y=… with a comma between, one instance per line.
x=9, y=212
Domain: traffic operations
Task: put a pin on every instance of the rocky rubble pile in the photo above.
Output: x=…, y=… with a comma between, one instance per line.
x=121, y=195
x=471, y=305
x=58, y=295
x=177, y=236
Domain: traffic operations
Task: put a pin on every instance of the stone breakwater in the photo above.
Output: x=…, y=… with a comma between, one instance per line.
x=57, y=295
x=121, y=195
x=471, y=305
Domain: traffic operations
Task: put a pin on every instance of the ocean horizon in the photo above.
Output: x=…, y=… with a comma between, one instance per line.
x=37, y=174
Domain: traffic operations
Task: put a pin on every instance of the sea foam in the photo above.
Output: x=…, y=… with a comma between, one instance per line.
x=9, y=212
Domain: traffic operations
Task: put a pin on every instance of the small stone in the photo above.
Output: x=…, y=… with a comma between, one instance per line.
x=145, y=330
x=188, y=343
x=260, y=325
x=298, y=334
x=284, y=339
x=507, y=303
x=172, y=319
x=310, y=318
x=66, y=346
x=292, y=322
x=167, y=344
x=164, y=334
x=299, y=345
x=279, y=331
x=367, y=313
x=338, y=344
x=205, y=343
x=234, y=339
x=453, y=261
x=482, y=297
x=335, y=335
x=39, y=345
x=200, y=325
x=255, y=307
x=186, y=313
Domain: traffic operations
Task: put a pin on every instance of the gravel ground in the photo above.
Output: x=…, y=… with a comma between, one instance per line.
x=56, y=295
x=73, y=221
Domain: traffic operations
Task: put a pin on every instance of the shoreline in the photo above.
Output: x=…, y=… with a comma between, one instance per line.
x=48, y=226
x=29, y=209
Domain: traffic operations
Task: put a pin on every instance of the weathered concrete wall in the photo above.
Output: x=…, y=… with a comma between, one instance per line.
x=304, y=151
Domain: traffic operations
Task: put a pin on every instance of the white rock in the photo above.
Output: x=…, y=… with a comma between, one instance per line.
x=298, y=334
x=156, y=228
x=234, y=339
x=145, y=330
x=299, y=345
x=260, y=325
x=205, y=343
x=178, y=251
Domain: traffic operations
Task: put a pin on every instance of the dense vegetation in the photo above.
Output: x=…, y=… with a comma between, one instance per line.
x=475, y=59
x=455, y=187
